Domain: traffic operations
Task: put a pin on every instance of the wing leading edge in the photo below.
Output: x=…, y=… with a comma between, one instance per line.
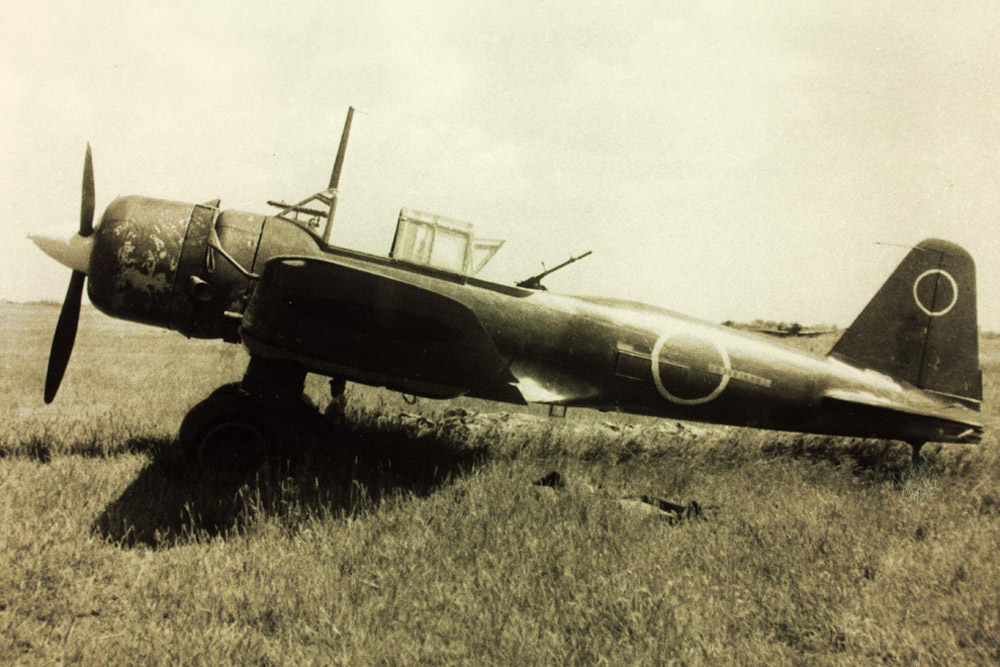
x=372, y=328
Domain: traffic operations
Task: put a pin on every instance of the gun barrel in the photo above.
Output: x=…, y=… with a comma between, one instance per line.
x=567, y=262
x=535, y=282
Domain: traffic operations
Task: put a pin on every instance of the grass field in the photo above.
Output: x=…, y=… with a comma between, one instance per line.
x=419, y=538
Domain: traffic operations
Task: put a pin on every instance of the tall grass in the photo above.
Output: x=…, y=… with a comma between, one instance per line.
x=417, y=535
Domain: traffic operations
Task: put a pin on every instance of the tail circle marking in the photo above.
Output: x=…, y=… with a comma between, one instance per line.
x=723, y=369
x=922, y=306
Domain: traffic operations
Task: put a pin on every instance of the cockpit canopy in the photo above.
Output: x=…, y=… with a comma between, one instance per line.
x=440, y=243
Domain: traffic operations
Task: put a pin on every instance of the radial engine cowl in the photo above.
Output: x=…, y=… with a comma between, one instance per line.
x=134, y=264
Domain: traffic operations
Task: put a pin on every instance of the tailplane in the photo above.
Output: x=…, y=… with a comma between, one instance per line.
x=921, y=326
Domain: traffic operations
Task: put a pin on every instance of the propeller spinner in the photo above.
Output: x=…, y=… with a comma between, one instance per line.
x=74, y=253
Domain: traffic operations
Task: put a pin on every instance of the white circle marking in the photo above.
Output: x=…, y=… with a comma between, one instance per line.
x=954, y=293
x=726, y=365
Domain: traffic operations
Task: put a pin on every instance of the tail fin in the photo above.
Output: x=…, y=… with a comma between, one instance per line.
x=921, y=326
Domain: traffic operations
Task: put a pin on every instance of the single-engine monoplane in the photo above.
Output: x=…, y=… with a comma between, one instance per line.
x=420, y=321
x=793, y=330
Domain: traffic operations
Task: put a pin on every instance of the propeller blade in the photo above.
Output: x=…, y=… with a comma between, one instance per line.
x=62, y=341
x=87, y=200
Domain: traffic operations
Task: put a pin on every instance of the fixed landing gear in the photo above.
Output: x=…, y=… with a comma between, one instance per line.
x=230, y=430
x=241, y=426
x=917, y=460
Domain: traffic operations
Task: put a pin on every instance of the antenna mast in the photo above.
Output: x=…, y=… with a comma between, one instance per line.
x=338, y=165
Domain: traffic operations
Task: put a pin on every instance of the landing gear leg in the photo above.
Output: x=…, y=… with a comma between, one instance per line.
x=334, y=412
x=272, y=381
x=917, y=460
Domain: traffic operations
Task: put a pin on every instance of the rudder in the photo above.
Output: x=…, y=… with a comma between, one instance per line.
x=921, y=326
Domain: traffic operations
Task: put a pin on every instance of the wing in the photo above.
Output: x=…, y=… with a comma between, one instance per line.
x=342, y=320
x=782, y=333
x=812, y=333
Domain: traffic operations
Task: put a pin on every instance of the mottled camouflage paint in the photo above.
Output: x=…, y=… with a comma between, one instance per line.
x=135, y=258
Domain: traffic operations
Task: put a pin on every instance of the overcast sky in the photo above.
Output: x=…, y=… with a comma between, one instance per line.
x=729, y=160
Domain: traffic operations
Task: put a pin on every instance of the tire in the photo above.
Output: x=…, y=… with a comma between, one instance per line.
x=230, y=430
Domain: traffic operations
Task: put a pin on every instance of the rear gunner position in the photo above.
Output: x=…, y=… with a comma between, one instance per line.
x=421, y=322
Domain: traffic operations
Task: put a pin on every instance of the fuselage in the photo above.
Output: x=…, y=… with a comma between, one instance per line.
x=631, y=357
x=194, y=268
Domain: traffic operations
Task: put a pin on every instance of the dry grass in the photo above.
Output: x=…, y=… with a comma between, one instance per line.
x=419, y=537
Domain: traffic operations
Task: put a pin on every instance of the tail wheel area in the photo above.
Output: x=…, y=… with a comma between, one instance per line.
x=231, y=430
x=917, y=460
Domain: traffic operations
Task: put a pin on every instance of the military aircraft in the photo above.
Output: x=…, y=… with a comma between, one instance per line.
x=419, y=321
x=794, y=330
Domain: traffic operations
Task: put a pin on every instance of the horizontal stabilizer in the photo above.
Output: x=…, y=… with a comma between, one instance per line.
x=942, y=427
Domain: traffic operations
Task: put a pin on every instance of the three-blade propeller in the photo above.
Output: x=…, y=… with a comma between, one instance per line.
x=65, y=335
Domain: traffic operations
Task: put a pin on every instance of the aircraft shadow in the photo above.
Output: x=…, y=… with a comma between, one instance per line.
x=172, y=501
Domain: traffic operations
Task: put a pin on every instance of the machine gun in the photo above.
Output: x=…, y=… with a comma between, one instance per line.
x=535, y=282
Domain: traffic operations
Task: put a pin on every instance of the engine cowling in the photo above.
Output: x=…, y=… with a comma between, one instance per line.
x=153, y=263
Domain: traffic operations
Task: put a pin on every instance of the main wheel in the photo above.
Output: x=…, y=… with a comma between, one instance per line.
x=230, y=430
